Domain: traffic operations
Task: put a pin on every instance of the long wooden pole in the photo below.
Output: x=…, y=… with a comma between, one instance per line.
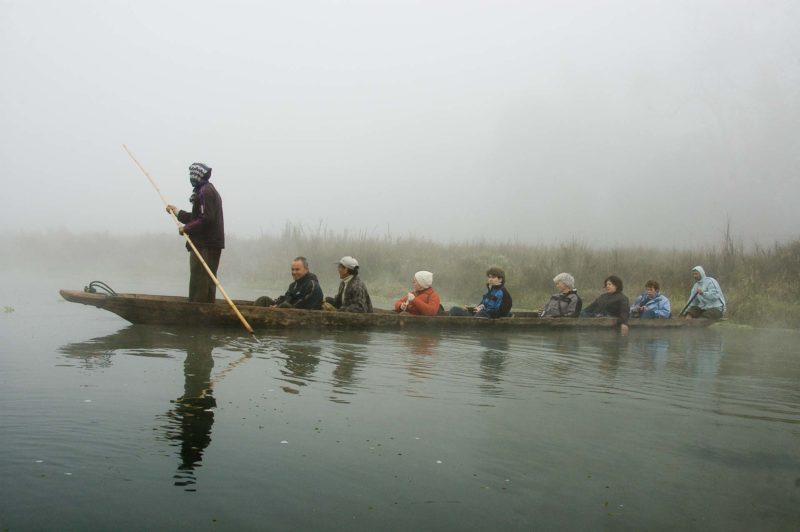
x=687, y=305
x=194, y=249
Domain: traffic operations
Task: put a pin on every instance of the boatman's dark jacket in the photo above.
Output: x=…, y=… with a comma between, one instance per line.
x=304, y=293
x=205, y=224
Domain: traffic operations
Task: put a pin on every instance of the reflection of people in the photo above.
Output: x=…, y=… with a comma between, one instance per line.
x=493, y=362
x=352, y=295
x=658, y=349
x=421, y=344
x=301, y=360
x=421, y=357
x=611, y=348
x=567, y=344
x=303, y=293
x=422, y=299
x=348, y=352
x=651, y=303
x=705, y=299
x=193, y=414
x=188, y=424
x=613, y=303
x=652, y=348
x=704, y=352
x=566, y=303
x=206, y=228
x=495, y=303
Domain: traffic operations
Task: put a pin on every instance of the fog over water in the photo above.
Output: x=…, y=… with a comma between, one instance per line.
x=608, y=122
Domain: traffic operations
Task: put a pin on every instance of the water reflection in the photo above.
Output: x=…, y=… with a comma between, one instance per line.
x=654, y=351
x=300, y=364
x=567, y=345
x=187, y=425
x=611, y=347
x=348, y=354
x=704, y=352
x=493, y=362
x=192, y=417
x=421, y=354
x=135, y=340
x=650, y=405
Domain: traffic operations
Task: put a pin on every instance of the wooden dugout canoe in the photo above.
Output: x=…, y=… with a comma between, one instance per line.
x=174, y=310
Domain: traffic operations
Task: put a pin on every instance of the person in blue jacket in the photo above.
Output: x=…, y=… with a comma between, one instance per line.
x=706, y=299
x=496, y=302
x=651, y=303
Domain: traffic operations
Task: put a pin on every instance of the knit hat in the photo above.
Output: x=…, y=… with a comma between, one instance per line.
x=424, y=279
x=348, y=262
x=200, y=171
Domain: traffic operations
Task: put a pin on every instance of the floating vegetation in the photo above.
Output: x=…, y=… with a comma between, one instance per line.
x=8, y=309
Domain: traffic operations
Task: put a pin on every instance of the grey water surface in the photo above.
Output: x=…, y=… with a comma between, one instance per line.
x=106, y=425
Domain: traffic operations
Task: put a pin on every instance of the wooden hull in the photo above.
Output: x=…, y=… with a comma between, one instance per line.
x=174, y=310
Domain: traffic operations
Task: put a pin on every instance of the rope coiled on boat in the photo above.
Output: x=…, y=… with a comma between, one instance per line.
x=94, y=285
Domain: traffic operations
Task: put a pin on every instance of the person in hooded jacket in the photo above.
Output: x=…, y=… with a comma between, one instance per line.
x=705, y=299
x=495, y=303
x=566, y=303
x=651, y=303
x=422, y=299
x=304, y=293
x=206, y=228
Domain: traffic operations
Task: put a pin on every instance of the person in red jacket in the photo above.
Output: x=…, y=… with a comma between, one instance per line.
x=423, y=299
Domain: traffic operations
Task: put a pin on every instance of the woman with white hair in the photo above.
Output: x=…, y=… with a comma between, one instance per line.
x=566, y=303
x=422, y=299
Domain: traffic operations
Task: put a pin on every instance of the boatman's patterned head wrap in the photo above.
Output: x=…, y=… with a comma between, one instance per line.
x=199, y=172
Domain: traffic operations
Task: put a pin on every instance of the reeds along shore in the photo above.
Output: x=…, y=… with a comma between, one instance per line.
x=761, y=284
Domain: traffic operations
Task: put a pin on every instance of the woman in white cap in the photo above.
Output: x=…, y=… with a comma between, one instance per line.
x=422, y=299
x=352, y=295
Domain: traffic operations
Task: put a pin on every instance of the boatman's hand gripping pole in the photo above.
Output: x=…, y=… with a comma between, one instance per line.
x=194, y=249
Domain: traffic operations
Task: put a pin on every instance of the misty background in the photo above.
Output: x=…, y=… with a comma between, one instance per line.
x=609, y=123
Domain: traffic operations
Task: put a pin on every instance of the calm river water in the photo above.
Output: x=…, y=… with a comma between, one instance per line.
x=110, y=426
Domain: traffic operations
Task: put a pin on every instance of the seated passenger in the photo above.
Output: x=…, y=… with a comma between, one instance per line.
x=706, y=299
x=613, y=303
x=303, y=293
x=423, y=299
x=566, y=303
x=651, y=303
x=496, y=302
x=352, y=295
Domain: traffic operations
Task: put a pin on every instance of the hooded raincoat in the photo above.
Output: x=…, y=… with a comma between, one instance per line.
x=712, y=294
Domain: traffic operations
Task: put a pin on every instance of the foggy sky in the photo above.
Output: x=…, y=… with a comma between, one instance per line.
x=608, y=122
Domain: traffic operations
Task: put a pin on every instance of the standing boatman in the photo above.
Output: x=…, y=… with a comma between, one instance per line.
x=206, y=228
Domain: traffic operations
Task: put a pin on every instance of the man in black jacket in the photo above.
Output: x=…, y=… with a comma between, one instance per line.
x=206, y=228
x=303, y=293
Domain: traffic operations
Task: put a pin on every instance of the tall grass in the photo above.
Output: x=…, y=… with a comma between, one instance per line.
x=761, y=284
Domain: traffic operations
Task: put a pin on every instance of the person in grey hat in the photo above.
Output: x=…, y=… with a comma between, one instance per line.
x=352, y=295
x=206, y=227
